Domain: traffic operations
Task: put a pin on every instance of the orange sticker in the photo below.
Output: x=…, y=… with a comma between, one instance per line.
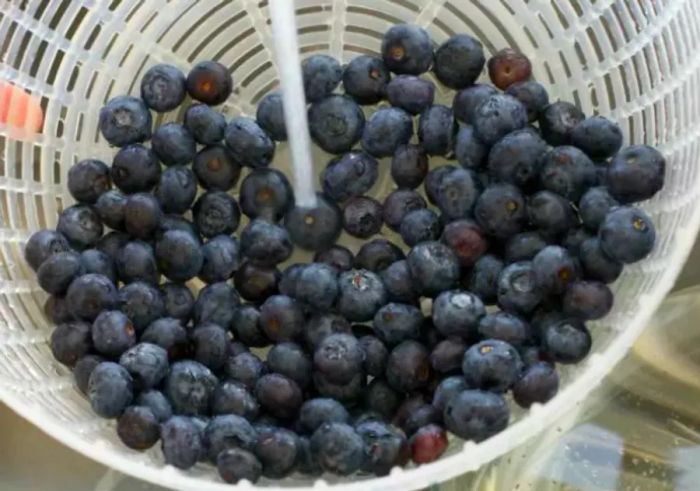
x=19, y=109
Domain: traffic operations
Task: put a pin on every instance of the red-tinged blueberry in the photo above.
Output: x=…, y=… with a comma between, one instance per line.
x=507, y=67
x=428, y=444
x=209, y=82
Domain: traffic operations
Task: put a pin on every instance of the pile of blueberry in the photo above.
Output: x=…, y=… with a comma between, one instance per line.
x=372, y=356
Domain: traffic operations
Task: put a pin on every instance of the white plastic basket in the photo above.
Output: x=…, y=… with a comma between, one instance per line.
x=637, y=61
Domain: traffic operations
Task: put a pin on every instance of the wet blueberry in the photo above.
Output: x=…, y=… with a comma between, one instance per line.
x=216, y=303
x=209, y=82
x=169, y=334
x=471, y=153
x=338, y=257
x=433, y=266
x=256, y=282
x=483, y=280
x=516, y=158
x=410, y=93
x=265, y=242
x=467, y=101
x=279, y=395
x=58, y=271
x=71, y=342
x=321, y=74
x=538, y=384
x=109, y=389
x=457, y=313
x=361, y=294
x=386, y=130
x=566, y=341
x=351, y=174
x=627, y=234
x=314, y=228
x=250, y=145
x=437, y=129
x=206, y=124
x=408, y=367
x=407, y=48
x=336, y=123
x=81, y=225
x=89, y=295
x=365, y=79
x=135, y=168
x=363, y=217
x=88, y=180
x=42, y=245
x=266, y=193
x=500, y=210
x=216, y=212
x=270, y=116
x=497, y=116
x=216, y=168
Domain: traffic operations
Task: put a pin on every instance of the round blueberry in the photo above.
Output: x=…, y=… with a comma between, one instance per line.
x=216, y=168
x=471, y=153
x=135, y=168
x=277, y=450
x=376, y=255
x=136, y=261
x=336, y=123
x=538, y=384
x=446, y=357
x=419, y=226
x=550, y=213
x=205, y=124
x=361, y=294
x=484, y=278
x=146, y=363
x=636, y=173
x=398, y=282
x=365, y=79
x=492, y=365
x=256, y=282
x=447, y=389
x=181, y=440
x=437, y=129
x=245, y=368
x=594, y=206
x=409, y=166
x=57, y=273
x=568, y=172
x=189, y=386
x=504, y=326
x=81, y=225
x=387, y=447
x=209, y=82
x=467, y=101
x=163, y=87
x=351, y=174
x=228, y=431
x=42, y=245
x=174, y=144
x=497, y=116
x=216, y=212
x=408, y=367
x=245, y=326
x=519, y=290
x=516, y=158
x=596, y=263
x=407, y=48
x=500, y=210
x=321, y=74
x=210, y=345
x=125, y=120
x=410, y=93
x=142, y=303
x=338, y=257
x=266, y=193
x=396, y=322
x=599, y=137
x=433, y=266
x=88, y=180
x=317, y=286
x=169, y=334
x=363, y=217
x=178, y=299
x=235, y=464
x=398, y=204
x=250, y=145
x=279, y=395
x=290, y=360
x=532, y=95
x=314, y=228
x=71, y=342
x=216, y=303
x=89, y=295
x=281, y=318
x=320, y=325
x=232, y=398
x=265, y=242
x=457, y=313
x=382, y=398
x=386, y=130
x=220, y=258
x=112, y=333
x=566, y=341
x=109, y=389
x=459, y=61
x=558, y=120
x=179, y=255
x=338, y=448
x=270, y=116
x=476, y=414
x=588, y=300
x=316, y=412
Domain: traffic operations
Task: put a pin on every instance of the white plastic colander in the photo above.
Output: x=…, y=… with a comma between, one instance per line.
x=636, y=61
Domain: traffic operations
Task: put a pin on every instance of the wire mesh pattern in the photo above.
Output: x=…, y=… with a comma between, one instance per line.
x=637, y=61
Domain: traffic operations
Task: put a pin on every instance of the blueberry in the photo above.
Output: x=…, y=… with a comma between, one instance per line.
x=396, y=322
x=456, y=193
x=407, y=48
x=338, y=358
x=471, y=153
x=205, y=124
x=594, y=205
x=88, y=180
x=124, y=120
x=216, y=303
x=409, y=166
x=599, y=137
x=113, y=333
x=249, y=144
x=314, y=228
x=138, y=428
x=557, y=122
x=596, y=264
x=555, y=269
x=484, y=278
x=163, y=87
x=320, y=325
x=289, y=359
x=266, y=193
x=538, y=384
x=587, y=300
x=410, y=93
x=497, y=116
x=181, y=440
x=351, y=174
x=338, y=448
x=386, y=445
x=56, y=310
x=321, y=75
x=265, y=242
x=524, y=246
x=567, y=171
x=459, y=61
x=338, y=257
x=215, y=213
x=434, y=179
x=81, y=225
x=89, y=295
x=71, y=342
x=216, y=168
x=507, y=67
x=136, y=262
x=147, y=363
x=448, y=388
x=516, y=158
x=363, y=217
x=408, y=367
x=433, y=266
x=279, y=395
x=381, y=398
x=281, y=318
x=365, y=79
x=179, y=255
x=467, y=101
x=386, y=130
x=361, y=294
x=428, y=444
x=492, y=365
x=84, y=366
x=566, y=341
x=288, y=280
x=109, y=389
x=420, y=416
x=466, y=239
x=518, y=288
x=110, y=207
x=174, y=144
x=317, y=286
x=142, y=215
x=316, y=412
x=178, y=299
x=235, y=464
x=437, y=129
x=177, y=222
x=189, y=386
x=135, y=168
x=270, y=116
x=376, y=255
x=245, y=368
x=627, y=234
x=336, y=123
x=476, y=415
x=111, y=243
x=157, y=403
x=636, y=173
x=500, y=210
x=532, y=95
x=169, y=334
x=210, y=345
x=420, y=226
x=550, y=213
x=233, y=398
x=398, y=282
x=228, y=431
x=409, y=404
x=505, y=326
x=398, y=204
x=209, y=82
x=256, y=282
x=42, y=245
x=277, y=450
x=245, y=326
x=142, y=303
x=56, y=274
x=375, y=355
x=457, y=313
x=446, y=356
x=221, y=258
x=574, y=239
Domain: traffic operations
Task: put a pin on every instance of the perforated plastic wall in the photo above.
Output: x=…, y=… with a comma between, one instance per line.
x=636, y=61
